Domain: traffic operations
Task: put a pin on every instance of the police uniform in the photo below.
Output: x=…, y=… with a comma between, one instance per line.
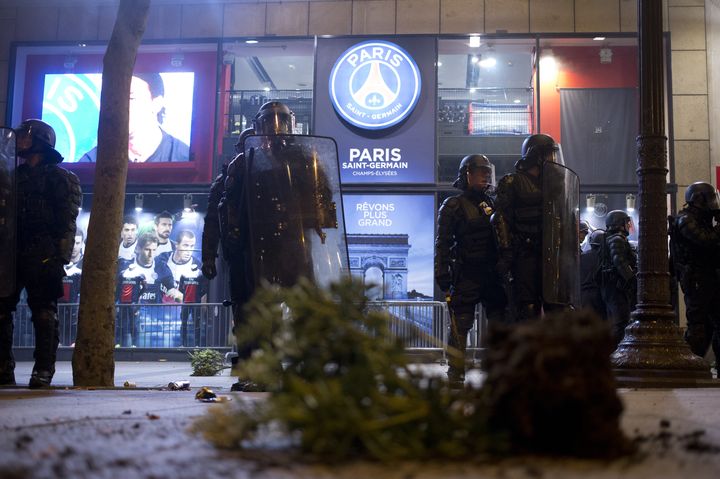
x=518, y=223
x=465, y=260
x=48, y=199
x=695, y=252
x=618, y=262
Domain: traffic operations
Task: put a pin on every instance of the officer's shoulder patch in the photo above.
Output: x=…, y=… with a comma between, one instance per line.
x=507, y=179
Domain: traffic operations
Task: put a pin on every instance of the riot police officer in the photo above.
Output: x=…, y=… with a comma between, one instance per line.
x=466, y=255
x=590, y=296
x=291, y=199
x=694, y=247
x=536, y=207
x=618, y=263
x=226, y=225
x=48, y=201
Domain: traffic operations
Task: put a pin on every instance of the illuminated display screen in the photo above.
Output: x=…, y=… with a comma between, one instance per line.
x=161, y=107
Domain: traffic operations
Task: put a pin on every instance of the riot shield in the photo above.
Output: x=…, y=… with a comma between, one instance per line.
x=8, y=158
x=561, y=250
x=295, y=211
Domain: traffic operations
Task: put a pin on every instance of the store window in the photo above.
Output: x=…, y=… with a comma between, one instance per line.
x=256, y=71
x=588, y=103
x=485, y=101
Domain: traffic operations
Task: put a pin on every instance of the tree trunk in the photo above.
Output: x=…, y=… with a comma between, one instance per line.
x=93, y=359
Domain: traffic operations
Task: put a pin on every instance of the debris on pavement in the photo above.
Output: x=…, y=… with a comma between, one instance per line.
x=205, y=394
x=129, y=384
x=179, y=386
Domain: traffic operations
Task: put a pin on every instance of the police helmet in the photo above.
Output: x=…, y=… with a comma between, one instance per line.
x=584, y=227
x=239, y=146
x=616, y=220
x=536, y=149
x=596, y=238
x=703, y=196
x=471, y=163
x=42, y=136
x=274, y=118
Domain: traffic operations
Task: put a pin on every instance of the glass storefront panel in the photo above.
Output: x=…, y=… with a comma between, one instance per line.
x=256, y=71
x=390, y=244
x=588, y=103
x=485, y=101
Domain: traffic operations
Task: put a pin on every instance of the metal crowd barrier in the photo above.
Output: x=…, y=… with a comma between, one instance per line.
x=423, y=325
x=206, y=325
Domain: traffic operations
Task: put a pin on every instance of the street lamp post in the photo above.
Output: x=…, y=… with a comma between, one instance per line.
x=653, y=352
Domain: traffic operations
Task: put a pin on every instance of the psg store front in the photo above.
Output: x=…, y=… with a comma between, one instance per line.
x=403, y=110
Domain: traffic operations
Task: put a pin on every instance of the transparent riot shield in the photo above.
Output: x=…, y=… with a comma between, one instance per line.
x=561, y=250
x=295, y=211
x=8, y=210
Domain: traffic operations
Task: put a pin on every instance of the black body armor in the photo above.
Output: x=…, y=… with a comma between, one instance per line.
x=465, y=237
x=49, y=199
x=519, y=215
x=618, y=284
x=695, y=250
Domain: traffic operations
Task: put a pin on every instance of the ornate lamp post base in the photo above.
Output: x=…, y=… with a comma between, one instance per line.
x=653, y=354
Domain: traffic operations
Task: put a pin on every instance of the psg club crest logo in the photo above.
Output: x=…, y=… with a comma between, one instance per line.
x=374, y=85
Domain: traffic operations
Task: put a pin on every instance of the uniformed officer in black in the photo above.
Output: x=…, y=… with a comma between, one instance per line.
x=618, y=263
x=695, y=250
x=226, y=225
x=590, y=296
x=48, y=202
x=466, y=256
x=518, y=222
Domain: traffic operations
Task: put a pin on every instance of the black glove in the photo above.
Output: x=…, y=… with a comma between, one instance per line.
x=208, y=269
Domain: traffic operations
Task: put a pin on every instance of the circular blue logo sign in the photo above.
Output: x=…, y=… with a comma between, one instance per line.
x=374, y=85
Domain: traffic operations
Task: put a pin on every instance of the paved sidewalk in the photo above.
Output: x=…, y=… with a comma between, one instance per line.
x=129, y=433
x=145, y=374
x=157, y=374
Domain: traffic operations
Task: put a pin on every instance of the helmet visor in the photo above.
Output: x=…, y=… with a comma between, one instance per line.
x=555, y=155
x=713, y=201
x=480, y=177
x=275, y=123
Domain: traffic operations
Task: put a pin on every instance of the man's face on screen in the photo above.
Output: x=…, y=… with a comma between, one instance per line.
x=144, y=108
x=184, y=249
x=128, y=234
x=77, y=248
x=147, y=253
x=164, y=228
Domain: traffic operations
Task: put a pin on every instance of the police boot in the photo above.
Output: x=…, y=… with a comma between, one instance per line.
x=46, y=343
x=458, y=345
x=7, y=362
